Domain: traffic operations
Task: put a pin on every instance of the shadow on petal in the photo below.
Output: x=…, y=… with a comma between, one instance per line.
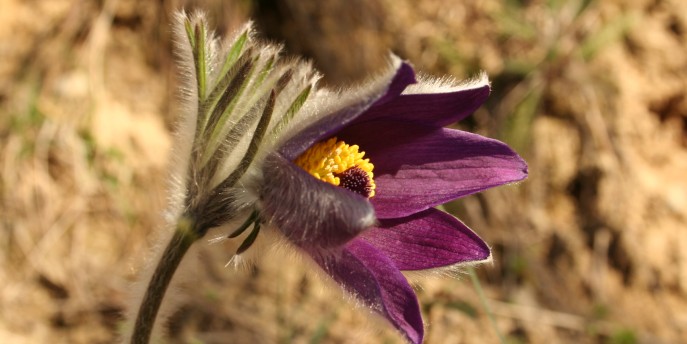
x=373, y=279
x=309, y=212
x=329, y=124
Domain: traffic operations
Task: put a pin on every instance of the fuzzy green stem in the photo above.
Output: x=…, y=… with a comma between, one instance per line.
x=181, y=241
x=483, y=300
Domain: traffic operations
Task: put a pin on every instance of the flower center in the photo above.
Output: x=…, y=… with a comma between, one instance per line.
x=337, y=163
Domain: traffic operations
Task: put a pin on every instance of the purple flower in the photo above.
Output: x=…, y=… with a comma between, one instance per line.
x=350, y=178
x=362, y=243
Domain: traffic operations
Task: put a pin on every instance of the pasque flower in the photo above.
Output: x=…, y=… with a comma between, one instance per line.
x=350, y=178
x=363, y=243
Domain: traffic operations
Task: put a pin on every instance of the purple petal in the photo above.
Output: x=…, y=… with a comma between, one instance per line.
x=331, y=123
x=309, y=212
x=426, y=240
x=372, y=277
x=418, y=167
x=439, y=109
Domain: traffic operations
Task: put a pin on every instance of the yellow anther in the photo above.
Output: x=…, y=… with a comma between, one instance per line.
x=328, y=160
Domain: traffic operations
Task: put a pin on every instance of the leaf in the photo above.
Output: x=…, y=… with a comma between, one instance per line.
x=234, y=53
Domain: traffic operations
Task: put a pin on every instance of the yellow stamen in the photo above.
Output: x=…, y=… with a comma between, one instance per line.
x=328, y=160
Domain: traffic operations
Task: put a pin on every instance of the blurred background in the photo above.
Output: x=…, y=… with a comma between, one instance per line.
x=592, y=248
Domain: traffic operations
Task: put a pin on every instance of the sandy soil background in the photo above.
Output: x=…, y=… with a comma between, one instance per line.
x=592, y=248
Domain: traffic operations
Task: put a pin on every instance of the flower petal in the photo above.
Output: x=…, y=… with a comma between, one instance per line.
x=309, y=212
x=426, y=240
x=372, y=277
x=418, y=167
x=439, y=109
x=330, y=123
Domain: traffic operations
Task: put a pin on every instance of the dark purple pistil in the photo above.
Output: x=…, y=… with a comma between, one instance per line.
x=356, y=180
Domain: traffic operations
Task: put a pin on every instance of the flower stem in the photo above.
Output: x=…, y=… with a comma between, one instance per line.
x=181, y=241
x=485, y=304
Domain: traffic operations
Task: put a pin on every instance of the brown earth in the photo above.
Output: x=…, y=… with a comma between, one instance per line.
x=590, y=249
